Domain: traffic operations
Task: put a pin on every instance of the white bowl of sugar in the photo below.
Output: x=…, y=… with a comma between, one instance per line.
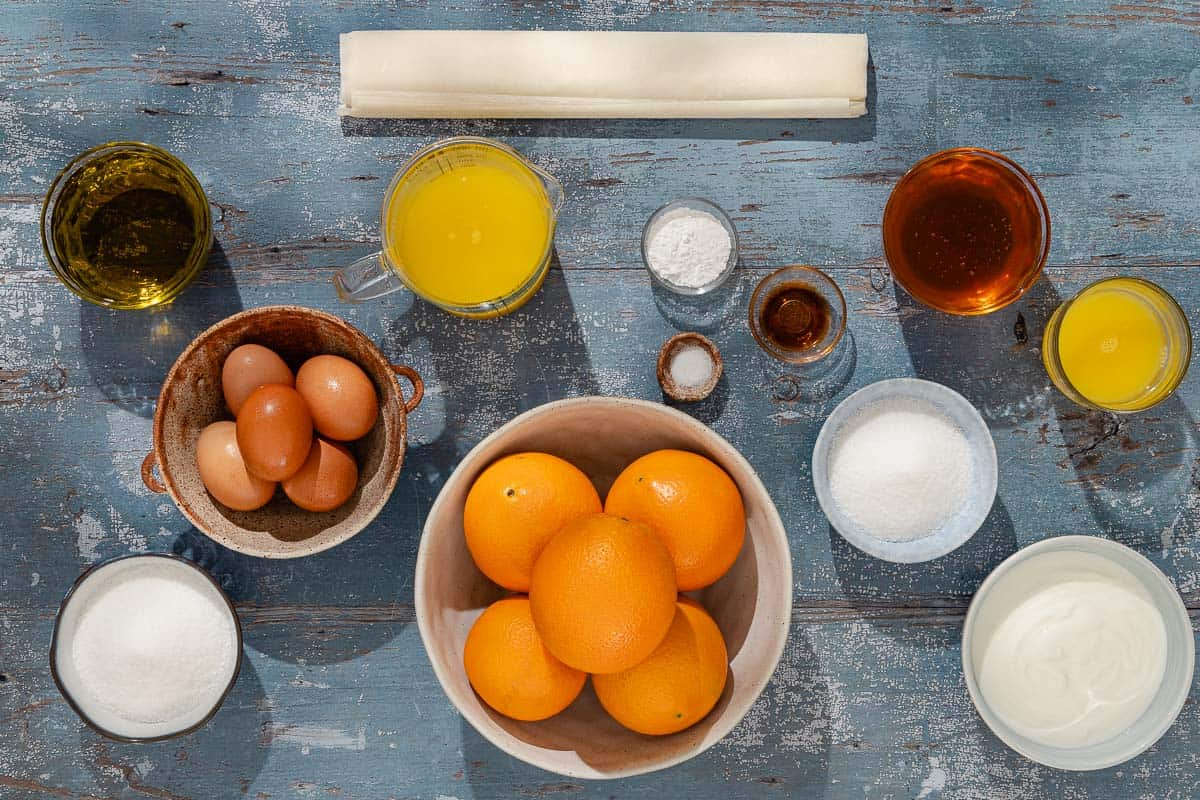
x=905, y=470
x=145, y=647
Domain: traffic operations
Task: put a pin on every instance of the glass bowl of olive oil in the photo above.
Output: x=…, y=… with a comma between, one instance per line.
x=126, y=225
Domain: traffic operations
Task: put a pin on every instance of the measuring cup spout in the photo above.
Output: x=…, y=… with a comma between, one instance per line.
x=554, y=189
x=366, y=279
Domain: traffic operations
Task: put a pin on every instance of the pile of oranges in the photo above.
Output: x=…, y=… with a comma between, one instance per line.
x=596, y=587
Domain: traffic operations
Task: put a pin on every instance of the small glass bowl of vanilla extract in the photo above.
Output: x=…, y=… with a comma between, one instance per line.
x=798, y=314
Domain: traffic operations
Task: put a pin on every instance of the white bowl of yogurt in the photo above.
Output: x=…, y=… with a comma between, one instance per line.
x=1078, y=652
x=145, y=647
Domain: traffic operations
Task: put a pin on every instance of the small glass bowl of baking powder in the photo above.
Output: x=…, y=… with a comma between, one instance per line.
x=689, y=246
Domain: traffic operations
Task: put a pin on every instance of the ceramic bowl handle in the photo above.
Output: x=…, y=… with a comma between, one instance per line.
x=148, y=478
x=418, y=389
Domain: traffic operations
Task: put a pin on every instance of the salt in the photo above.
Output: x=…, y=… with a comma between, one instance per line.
x=900, y=468
x=688, y=247
x=691, y=367
x=152, y=646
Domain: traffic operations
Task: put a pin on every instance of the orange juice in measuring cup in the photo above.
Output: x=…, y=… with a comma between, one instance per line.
x=467, y=224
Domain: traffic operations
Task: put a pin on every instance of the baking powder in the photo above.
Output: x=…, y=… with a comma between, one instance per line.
x=688, y=247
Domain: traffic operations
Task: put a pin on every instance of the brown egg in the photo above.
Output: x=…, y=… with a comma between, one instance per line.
x=340, y=395
x=274, y=432
x=224, y=473
x=327, y=479
x=249, y=367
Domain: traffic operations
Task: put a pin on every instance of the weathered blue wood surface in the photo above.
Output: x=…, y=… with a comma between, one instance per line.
x=337, y=698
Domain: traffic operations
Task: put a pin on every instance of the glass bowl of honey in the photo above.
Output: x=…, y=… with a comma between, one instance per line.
x=1122, y=344
x=797, y=314
x=966, y=231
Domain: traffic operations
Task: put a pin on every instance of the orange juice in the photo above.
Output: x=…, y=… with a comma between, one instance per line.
x=1121, y=344
x=468, y=225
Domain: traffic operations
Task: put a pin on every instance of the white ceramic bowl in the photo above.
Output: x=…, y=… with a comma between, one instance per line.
x=1177, y=681
x=981, y=492
x=751, y=603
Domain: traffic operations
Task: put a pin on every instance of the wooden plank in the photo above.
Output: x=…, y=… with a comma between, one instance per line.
x=1105, y=136
x=859, y=707
x=78, y=407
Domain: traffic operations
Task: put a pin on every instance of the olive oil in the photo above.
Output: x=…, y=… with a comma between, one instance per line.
x=126, y=225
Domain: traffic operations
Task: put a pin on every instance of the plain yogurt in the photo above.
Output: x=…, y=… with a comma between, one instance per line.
x=1070, y=649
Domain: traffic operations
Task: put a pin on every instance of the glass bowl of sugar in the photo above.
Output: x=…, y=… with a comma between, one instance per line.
x=905, y=470
x=145, y=647
x=689, y=246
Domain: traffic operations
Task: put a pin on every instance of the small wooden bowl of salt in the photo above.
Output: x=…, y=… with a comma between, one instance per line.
x=689, y=367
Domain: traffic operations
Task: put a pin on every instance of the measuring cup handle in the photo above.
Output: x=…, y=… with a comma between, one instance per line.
x=366, y=279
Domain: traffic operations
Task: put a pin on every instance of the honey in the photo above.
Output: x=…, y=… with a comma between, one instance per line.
x=966, y=231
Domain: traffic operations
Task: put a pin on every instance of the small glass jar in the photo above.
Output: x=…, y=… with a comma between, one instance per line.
x=1092, y=346
x=698, y=205
x=126, y=225
x=789, y=326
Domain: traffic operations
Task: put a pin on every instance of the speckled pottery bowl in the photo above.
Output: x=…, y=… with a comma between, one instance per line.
x=191, y=398
x=751, y=603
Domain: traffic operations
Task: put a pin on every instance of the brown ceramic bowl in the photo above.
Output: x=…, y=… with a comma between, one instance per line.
x=191, y=399
x=751, y=603
x=688, y=394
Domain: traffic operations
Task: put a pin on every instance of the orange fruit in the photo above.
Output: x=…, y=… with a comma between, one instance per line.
x=516, y=506
x=678, y=684
x=510, y=667
x=603, y=593
x=692, y=504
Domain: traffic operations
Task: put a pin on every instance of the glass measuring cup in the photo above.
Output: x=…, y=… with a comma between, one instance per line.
x=467, y=224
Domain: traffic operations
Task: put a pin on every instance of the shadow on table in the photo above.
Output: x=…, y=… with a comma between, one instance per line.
x=704, y=313
x=1138, y=472
x=859, y=129
x=909, y=601
x=129, y=353
x=783, y=744
x=993, y=360
x=709, y=409
x=816, y=384
x=230, y=750
x=485, y=372
x=325, y=608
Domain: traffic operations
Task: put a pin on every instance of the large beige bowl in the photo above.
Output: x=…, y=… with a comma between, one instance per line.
x=191, y=398
x=751, y=603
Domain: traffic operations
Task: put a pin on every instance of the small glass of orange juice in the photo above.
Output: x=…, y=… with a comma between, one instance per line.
x=467, y=224
x=1121, y=344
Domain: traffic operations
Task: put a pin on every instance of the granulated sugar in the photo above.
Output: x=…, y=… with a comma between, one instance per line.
x=151, y=642
x=900, y=468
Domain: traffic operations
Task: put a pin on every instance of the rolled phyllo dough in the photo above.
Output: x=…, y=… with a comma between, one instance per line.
x=421, y=74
